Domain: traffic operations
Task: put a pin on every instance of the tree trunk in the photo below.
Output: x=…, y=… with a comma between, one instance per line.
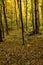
x=42, y=10
x=2, y=29
x=21, y=21
x=5, y=16
x=33, y=14
x=0, y=35
x=18, y=3
x=36, y=17
x=16, y=14
x=26, y=15
x=0, y=22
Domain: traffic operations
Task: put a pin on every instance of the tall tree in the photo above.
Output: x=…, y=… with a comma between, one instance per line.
x=0, y=22
x=36, y=17
x=42, y=10
x=5, y=16
x=21, y=19
x=26, y=15
x=18, y=3
x=33, y=15
x=16, y=14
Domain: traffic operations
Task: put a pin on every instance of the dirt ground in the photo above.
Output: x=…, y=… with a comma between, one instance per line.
x=12, y=52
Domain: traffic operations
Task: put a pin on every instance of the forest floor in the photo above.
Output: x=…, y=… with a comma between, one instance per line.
x=12, y=52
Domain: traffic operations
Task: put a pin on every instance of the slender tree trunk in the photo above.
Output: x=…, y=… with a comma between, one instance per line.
x=21, y=21
x=33, y=15
x=0, y=35
x=5, y=17
x=0, y=23
x=18, y=3
x=36, y=17
x=16, y=14
x=26, y=15
x=2, y=29
x=42, y=10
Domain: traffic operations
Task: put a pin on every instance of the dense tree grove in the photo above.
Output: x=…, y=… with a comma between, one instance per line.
x=27, y=14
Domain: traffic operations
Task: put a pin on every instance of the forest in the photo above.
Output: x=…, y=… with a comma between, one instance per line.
x=21, y=32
